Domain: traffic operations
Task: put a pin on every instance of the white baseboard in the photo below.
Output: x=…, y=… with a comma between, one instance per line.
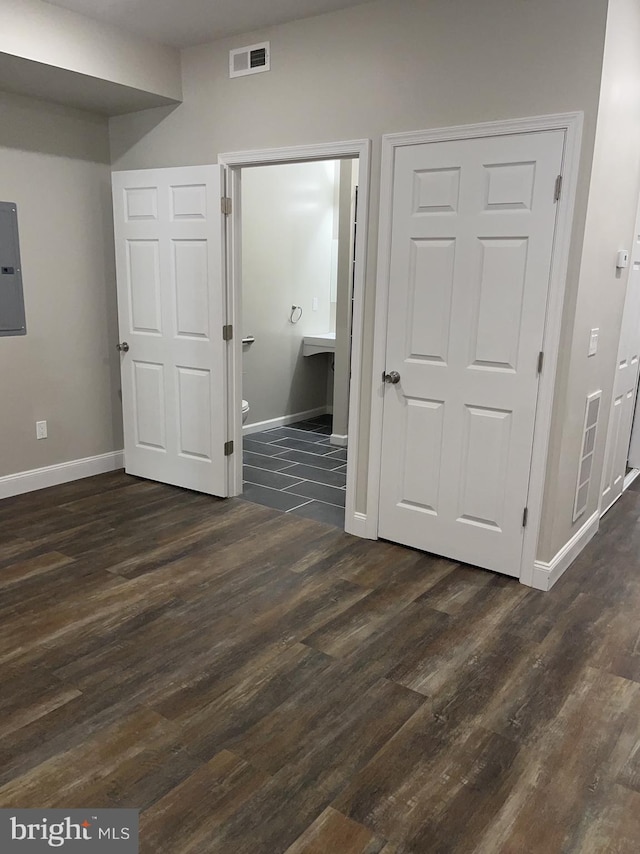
x=357, y=525
x=29, y=481
x=629, y=478
x=545, y=575
x=247, y=429
x=337, y=439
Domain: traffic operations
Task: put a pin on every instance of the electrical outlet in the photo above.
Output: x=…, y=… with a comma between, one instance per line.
x=41, y=429
x=593, y=341
x=314, y=304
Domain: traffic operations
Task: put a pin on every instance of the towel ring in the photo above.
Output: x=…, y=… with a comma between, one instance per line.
x=294, y=310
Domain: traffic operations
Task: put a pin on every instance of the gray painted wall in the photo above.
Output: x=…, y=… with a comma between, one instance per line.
x=61, y=39
x=613, y=201
x=54, y=163
x=388, y=66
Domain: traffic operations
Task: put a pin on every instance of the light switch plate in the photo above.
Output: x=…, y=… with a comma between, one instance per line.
x=593, y=342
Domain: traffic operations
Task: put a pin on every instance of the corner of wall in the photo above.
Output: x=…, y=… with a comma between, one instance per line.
x=597, y=297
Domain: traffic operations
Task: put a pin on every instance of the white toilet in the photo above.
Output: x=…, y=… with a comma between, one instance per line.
x=245, y=411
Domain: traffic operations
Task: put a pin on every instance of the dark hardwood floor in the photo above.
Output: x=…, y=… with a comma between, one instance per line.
x=256, y=682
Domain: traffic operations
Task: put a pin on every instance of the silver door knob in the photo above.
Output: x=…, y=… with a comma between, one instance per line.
x=123, y=348
x=392, y=377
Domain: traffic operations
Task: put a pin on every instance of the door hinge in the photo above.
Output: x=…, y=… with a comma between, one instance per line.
x=540, y=361
x=525, y=516
x=228, y=449
x=558, y=189
x=225, y=205
x=227, y=332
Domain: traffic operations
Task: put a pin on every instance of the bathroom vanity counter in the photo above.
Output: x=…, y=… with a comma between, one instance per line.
x=314, y=344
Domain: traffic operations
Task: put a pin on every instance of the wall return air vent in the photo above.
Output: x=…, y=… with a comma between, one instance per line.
x=249, y=60
x=586, y=456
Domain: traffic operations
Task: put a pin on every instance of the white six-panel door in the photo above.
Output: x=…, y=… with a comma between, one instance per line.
x=473, y=226
x=171, y=313
x=618, y=451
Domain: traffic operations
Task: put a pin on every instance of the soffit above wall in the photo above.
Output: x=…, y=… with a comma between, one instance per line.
x=46, y=82
x=192, y=22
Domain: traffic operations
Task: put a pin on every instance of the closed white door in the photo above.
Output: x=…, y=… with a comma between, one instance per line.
x=168, y=236
x=472, y=239
x=619, y=434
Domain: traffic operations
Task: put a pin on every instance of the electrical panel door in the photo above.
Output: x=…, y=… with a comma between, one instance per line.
x=12, y=317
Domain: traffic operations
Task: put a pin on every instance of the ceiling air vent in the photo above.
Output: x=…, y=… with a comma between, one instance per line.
x=249, y=60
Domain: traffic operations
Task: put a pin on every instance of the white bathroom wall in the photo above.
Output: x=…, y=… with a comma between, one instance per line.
x=288, y=214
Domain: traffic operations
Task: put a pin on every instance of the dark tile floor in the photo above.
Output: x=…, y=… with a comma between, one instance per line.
x=295, y=469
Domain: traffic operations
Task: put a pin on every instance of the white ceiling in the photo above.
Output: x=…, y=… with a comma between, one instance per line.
x=187, y=22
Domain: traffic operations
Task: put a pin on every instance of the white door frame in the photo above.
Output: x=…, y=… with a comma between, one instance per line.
x=234, y=162
x=571, y=124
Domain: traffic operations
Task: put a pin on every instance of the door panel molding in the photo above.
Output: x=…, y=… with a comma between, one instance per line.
x=171, y=306
x=508, y=190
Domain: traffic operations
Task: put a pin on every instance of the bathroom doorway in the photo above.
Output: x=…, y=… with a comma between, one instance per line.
x=296, y=278
x=298, y=237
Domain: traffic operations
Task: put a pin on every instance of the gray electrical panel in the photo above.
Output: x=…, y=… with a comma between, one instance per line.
x=12, y=318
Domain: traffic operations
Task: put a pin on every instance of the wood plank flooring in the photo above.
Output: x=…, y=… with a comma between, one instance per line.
x=260, y=683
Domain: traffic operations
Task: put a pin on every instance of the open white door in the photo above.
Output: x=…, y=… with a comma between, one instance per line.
x=171, y=307
x=619, y=434
x=472, y=235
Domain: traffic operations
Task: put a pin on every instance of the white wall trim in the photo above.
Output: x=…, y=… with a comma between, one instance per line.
x=339, y=440
x=29, y=481
x=571, y=124
x=269, y=424
x=545, y=575
x=295, y=153
x=356, y=524
x=232, y=163
x=528, y=124
x=629, y=478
